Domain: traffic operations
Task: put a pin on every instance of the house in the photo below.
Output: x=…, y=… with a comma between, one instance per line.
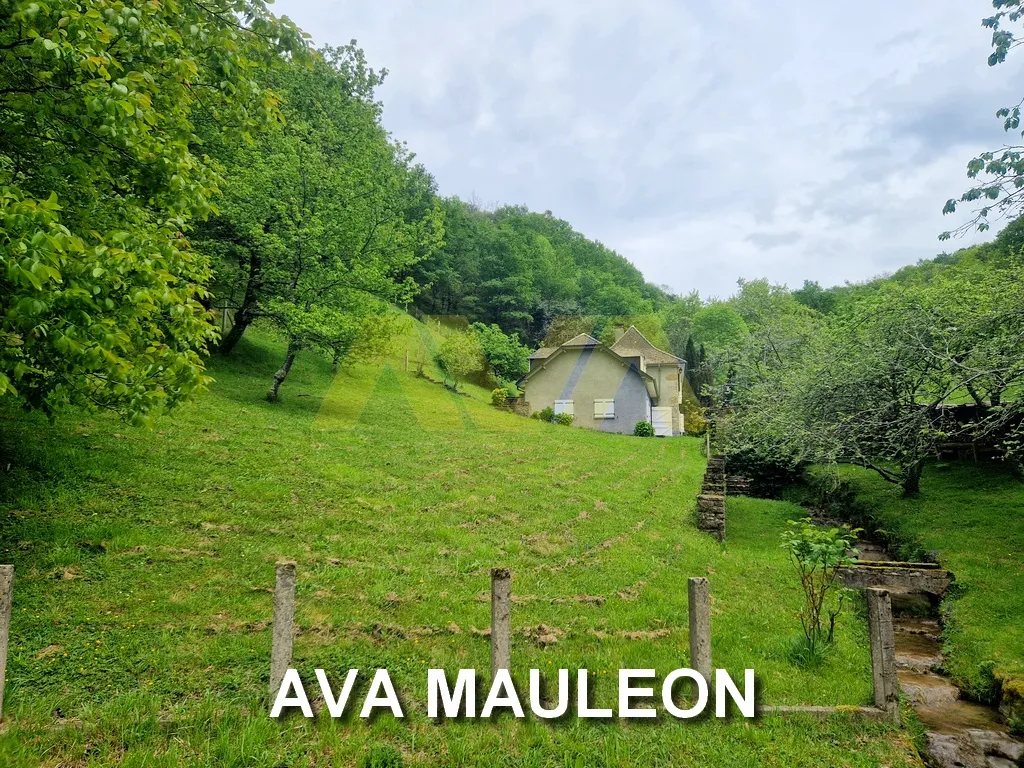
x=608, y=388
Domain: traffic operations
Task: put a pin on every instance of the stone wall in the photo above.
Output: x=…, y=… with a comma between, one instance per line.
x=711, y=502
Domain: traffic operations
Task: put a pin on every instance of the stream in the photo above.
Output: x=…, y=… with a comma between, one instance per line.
x=959, y=733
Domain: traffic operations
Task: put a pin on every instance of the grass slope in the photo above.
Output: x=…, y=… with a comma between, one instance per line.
x=145, y=561
x=970, y=516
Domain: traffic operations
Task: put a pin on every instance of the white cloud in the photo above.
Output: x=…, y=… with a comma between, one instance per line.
x=703, y=141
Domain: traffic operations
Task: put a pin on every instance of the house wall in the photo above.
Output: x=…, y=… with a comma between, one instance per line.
x=667, y=377
x=583, y=375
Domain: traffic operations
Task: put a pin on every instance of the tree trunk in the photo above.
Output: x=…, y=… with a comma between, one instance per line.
x=247, y=312
x=911, y=478
x=282, y=373
x=231, y=338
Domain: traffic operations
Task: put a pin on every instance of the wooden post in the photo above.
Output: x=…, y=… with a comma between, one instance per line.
x=6, y=594
x=700, y=626
x=406, y=359
x=707, y=442
x=224, y=321
x=883, y=651
x=501, y=619
x=284, y=624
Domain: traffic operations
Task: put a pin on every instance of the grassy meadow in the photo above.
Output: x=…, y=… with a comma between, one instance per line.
x=968, y=516
x=145, y=562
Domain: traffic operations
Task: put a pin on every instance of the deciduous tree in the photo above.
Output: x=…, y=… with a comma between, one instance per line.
x=102, y=296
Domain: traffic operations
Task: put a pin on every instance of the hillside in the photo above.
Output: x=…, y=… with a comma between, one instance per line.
x=144, y=562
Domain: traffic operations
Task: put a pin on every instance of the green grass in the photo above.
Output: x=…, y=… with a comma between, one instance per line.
x=970, y=517
x=145, y=562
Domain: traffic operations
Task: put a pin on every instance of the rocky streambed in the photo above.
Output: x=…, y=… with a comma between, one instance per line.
x=959, y=733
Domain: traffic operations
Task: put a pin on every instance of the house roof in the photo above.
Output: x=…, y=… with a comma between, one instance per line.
x=633, y=343
x=587, y=341
x=580, y=340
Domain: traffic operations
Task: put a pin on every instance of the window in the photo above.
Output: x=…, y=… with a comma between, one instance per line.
x=563, y=406
x=604, y=409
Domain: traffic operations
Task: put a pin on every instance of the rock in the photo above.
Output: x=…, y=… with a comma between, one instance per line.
x=944, y=751
x=997, y=744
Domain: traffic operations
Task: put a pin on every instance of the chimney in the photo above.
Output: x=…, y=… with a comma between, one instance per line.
x=620, y=330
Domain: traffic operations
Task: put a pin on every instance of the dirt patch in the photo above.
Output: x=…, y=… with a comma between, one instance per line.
x=646, y=634
x=50, y=650
x=632, y=592
x=543, y=635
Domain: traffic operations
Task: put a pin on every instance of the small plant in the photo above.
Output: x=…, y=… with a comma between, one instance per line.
x=565, y=419
x=547, y=414
x=381, y=755
x=817, y=554
x=807, y=656
x=499, y=397
x=643, y=429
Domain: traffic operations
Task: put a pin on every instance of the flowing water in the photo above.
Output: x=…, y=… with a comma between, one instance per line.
x=960, y=733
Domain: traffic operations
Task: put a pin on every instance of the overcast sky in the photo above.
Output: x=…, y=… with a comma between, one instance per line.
x=705, y=141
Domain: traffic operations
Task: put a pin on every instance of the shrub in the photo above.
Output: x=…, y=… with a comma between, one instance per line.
x=499, y=397
x=643, y=429
x=548, y=414
x=817, y=554
x=381, y=755
x=694, y=422
x=565, y=419
x=770, y=473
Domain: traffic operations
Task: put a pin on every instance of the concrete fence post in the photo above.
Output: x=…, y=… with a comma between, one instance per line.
x=883, y=651
x=284, y=624
x=6, y=594
x=501, y=619
x=699, y=600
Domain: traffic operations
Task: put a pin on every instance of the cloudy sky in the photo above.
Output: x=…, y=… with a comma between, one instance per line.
x=704, y=141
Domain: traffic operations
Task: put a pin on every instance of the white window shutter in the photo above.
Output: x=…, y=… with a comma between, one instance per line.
x=563, y=406
x=604, y=409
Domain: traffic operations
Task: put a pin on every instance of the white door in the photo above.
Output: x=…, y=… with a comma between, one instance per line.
x=661, y=420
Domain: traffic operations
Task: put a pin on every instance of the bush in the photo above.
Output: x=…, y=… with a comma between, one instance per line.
x=643, y=429
x=381, y=755
x=548, y=414
x=565, y=419
x=817, y=553
x=499, y=398
x=694, y=422
x=770, y=473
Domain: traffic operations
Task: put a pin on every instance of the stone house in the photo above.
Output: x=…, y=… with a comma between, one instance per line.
x=608, y=388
